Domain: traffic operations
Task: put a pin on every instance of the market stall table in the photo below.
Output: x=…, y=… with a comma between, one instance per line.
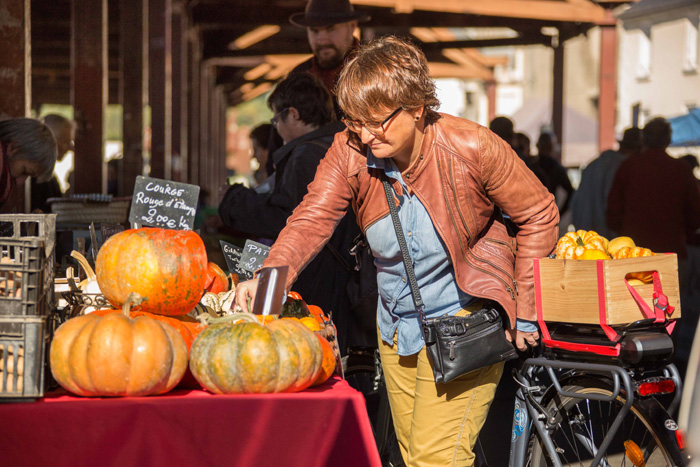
x=323, y=426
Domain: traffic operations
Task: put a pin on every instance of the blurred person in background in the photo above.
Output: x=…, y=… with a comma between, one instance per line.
x=654, y=199
x=260, y=139
x=589, y=204
x=503, y=127
x=63, y=131
x=27, y=149
x=558, y=179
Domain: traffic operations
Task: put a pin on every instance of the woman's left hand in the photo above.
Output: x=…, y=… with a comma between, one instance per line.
x=522, y=339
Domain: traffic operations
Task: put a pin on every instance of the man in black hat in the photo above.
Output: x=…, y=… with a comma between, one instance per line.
x=329, y=27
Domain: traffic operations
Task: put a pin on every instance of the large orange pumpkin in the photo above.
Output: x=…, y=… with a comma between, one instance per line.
x=115, y=355
x=166, y=267
x=248, y=357
x=189, y=328
x=573, y=244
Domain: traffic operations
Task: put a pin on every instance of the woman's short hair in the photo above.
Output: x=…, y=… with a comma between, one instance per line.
x=387, y=73
x=307, y=94
x=31, y=141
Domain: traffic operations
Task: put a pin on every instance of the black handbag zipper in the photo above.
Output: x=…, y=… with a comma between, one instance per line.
x=476, y=335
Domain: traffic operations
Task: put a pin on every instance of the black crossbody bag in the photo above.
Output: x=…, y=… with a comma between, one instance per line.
x=456, y=344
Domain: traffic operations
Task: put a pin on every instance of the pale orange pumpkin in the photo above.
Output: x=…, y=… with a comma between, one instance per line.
x=115, y=355
x=573, y=244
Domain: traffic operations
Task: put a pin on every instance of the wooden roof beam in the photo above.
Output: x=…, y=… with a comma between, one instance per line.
x=561, y=10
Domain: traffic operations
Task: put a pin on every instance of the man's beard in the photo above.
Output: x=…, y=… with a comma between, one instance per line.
x=327, y=62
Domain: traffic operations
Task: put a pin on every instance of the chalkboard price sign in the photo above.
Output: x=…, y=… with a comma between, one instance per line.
x=164, y=203
x=253, y=255
x=232, y=254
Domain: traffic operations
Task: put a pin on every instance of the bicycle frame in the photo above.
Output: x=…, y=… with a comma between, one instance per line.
x=528, y=412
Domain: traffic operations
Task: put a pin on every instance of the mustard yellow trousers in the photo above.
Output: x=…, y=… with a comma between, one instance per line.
x=436, y=424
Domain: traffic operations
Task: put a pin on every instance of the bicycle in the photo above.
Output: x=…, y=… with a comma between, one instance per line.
x=599, y=408
x=573, y=407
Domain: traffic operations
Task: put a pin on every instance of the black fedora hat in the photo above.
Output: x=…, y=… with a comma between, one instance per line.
x=320, y=13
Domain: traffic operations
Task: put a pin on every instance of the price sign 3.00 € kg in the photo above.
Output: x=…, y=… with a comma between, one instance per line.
x=164, y=203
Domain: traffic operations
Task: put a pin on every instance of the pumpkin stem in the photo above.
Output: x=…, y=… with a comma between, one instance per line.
x=133, y=299
x=84, y=264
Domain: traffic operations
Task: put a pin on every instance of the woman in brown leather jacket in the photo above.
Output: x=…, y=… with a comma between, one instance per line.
x=451, y=180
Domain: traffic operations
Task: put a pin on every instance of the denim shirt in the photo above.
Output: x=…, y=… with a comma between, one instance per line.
x=396, y=312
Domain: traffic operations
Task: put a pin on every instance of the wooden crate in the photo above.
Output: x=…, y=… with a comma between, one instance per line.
x=595, y=292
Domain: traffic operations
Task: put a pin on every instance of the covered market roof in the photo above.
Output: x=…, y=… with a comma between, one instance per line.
x=251, y=44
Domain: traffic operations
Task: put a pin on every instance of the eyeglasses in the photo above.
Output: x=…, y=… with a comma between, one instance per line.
x=375, y=128
x=276, y=118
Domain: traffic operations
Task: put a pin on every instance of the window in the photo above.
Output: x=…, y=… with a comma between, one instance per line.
x=643, y=55
x=690, y=50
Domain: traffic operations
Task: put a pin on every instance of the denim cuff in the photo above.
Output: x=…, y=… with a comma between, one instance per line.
x=525, y=325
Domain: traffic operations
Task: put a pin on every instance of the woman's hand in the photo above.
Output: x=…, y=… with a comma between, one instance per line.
x=522, y=339
x=244, y=291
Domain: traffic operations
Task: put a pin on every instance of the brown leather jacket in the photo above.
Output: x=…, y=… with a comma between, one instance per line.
x=464, y=172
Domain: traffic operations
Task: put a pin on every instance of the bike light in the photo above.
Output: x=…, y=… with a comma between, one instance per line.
x=634, y=454
x=680, y=437
x=654, y=386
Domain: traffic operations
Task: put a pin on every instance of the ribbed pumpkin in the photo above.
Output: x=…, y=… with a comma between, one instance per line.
x=249, y=357
x=115, y=355
x=573, y=244
x=636, y=252
x=328, y=363
x=167, y=268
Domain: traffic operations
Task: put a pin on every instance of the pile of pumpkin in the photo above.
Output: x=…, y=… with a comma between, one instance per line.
x=125, y=352
x=589, y=245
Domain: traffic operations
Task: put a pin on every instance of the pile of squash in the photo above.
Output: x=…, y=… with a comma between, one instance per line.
x=148, y=350
x=589, y=245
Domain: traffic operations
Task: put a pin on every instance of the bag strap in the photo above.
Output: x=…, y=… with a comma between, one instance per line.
x=412, y=282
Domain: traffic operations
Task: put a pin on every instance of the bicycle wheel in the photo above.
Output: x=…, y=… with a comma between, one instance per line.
x=580, y=426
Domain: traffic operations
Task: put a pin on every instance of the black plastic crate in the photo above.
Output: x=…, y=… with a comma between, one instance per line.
x=27, y=243
x=23, y=363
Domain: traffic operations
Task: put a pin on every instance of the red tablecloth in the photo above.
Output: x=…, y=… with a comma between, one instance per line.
x=324, y=426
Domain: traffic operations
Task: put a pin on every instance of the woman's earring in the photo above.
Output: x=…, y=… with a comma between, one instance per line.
x=417, y=117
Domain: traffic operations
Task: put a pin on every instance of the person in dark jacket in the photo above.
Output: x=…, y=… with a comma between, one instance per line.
x=304, y=117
